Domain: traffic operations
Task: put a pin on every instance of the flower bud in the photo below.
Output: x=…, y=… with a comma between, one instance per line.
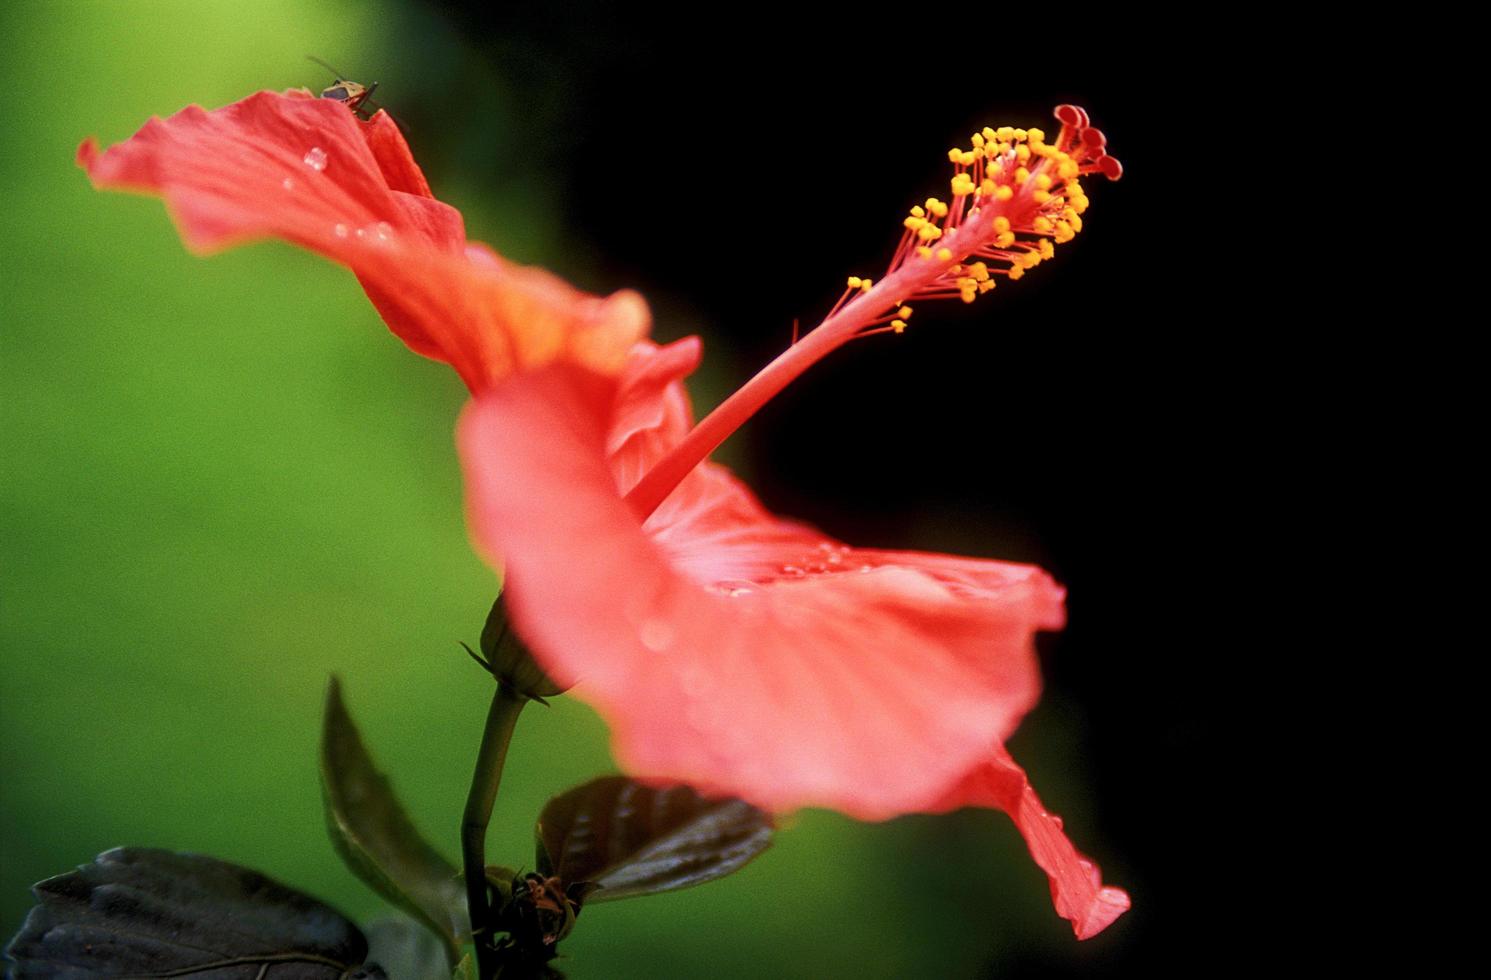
x=509, y=660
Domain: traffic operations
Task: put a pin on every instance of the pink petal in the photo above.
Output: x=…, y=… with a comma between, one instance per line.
x=868, y=683
x=309, y=171
x=1077, y=888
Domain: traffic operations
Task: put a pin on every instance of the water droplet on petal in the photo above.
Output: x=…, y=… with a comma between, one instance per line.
x=341, y=230
x=385, y=231
x=656, y=635
x=315, y=158
x=288, y=184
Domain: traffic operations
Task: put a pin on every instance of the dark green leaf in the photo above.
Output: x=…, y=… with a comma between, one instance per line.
x=375, y=837
x=406, y=950
x=142, y=912
x=465, y=970
x=623, y=838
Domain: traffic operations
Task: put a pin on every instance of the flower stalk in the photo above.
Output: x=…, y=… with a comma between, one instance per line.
x=502, y=719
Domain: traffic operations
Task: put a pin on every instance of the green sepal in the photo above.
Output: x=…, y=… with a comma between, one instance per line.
x=508, y=660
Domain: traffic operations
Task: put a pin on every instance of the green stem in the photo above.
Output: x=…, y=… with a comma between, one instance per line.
x=501, y=720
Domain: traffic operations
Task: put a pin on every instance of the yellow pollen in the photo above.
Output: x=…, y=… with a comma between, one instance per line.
x=938, y=209
x=1041, y=197
x=988, y=186
x=986, y=285
x=1041, y=223
x=1020, y=135
x=917, y=212
x=1043, y=181
x=954, y=155
x=1005, y=240
x=1016, y=271
x=1006, y=133
x=930, y=233
x=1022, y=152
x=1021, y=175
x=977, y=139
x=1004, y=193
x=899, y=326
x=962, y=184
x=967, y=158
x=915, y=224
x=923, y=251
x=944, y=254
x=1036, y=135
x=865, y=284
x=989, y=135
x=904, y=313
x=1001, y=225
x=1064, y=232
x=980, y=271
x=1047, y=249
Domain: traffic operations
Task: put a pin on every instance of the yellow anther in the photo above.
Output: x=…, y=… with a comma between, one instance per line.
x=1073, y=220
x=854, y=282
x=1041, y=223
x=929, y=233
x=904, y=313
x=1016, y=271
x=944, y=254
x=1047, y=249
x=1036, y=135
x=967, y=158
x=969, y=295
x=938, y=209
x=1064, y=232
x=1005, y=240
x=1079, y=203
x=1067, y=169
x=1022, y=152
x=956, y=270
x=986, y=285
x=1021, y=175
x=1004, y=193
x=1044, y=181
x=954, y=155
x=915, y=224
x=1028, y=259
x=1074, y=188
x=899, y=326
x=923, y=251
x=977, y=139
x=1006, y=133
x=980, y=271
x=1020, y=135
x=916, y=211
x=1001, y=225
x=966, y=283
x=865, y=284
x=989, y=134
x=1041, y=197
x=962, y=184
x=987, y=187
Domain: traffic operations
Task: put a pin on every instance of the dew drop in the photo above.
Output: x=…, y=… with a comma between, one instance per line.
x=341, y=230
x=657, y=635
x=315, y=158
x=384, y=230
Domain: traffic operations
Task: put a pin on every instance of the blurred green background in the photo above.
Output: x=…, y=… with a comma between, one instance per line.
x=224, y=480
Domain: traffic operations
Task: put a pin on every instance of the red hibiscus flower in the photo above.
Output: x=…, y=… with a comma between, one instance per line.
x=727, y=648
